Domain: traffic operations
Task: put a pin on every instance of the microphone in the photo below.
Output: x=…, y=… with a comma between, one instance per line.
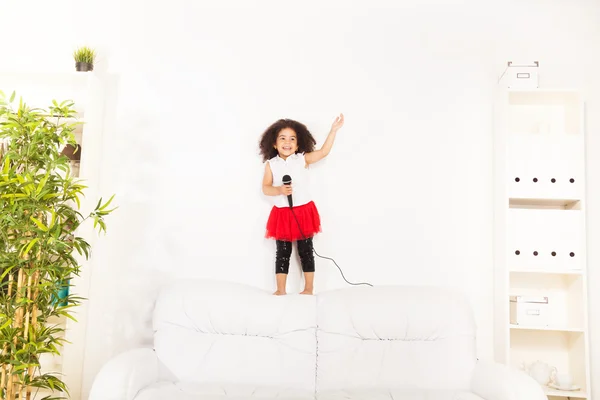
x=287, y=180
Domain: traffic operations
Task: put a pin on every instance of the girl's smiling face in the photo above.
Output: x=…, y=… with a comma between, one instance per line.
x=287, y=143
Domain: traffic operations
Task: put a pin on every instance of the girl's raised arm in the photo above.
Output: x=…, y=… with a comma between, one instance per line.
x=318, y=155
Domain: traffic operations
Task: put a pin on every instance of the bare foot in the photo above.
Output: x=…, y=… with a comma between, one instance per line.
x=309, y=278
x=281, y=280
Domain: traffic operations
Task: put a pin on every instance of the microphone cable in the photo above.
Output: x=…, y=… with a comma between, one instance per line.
x=327, y=258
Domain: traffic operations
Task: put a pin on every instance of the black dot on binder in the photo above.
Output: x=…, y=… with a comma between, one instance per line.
x=553, y=180
x=517, y=252
x=535, y=179
x=571, y=180
x=535, y=253
x=517, y=179
x=572, y=254
x=553, y=254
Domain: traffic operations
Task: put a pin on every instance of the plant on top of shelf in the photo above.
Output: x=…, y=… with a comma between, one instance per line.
x=39, y=238
x=84, y=59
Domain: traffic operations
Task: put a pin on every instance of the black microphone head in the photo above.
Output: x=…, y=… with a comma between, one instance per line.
x=286, y=179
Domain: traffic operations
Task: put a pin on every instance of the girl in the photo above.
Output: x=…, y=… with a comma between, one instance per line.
x=287, y=147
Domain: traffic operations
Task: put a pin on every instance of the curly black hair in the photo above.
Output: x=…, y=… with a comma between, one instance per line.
x=306, y=141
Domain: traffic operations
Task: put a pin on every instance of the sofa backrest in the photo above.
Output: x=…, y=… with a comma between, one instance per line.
x=390, y=337
x=227, y=333
x=381, y=337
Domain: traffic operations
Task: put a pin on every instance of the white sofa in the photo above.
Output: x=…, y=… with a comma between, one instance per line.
x=218, y=340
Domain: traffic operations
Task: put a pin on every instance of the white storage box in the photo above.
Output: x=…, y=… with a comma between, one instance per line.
x=524, y=76
x=527, y=310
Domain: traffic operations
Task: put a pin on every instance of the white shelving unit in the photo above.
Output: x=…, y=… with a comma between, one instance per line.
x=540, y=233
x=86, y=89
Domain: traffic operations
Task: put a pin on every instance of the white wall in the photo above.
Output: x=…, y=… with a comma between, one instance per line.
x=406, y=195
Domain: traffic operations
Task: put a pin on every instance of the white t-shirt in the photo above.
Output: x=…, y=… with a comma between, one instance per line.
x=295, y=167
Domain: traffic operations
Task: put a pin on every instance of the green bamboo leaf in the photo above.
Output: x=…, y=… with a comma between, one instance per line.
x=50, y=196
x=39, y=224
x=77, y=247
x=107, y=203
x=7, y=323
x=53, y=219
x=30, y=245
x=6, y=272
x=13, y=195
x=86, y=251
x=6, y=168
x=42, y=183
x=20, y=367
x=72, y=318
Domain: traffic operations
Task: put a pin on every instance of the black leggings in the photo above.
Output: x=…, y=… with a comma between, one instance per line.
x=284, y=251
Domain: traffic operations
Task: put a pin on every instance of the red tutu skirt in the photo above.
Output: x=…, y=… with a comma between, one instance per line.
x=282, y=225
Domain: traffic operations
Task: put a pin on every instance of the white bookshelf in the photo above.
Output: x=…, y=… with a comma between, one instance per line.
x=86, y=89
x=540, y=233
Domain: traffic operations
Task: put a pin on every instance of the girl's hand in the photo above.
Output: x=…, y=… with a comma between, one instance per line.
x=285, y=190
x=315, y=156
x=338, y=123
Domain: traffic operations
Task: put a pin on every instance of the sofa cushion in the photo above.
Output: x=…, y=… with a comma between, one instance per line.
x=198, y=391
x=397, y=394
x=389, y=337
x=209, y=331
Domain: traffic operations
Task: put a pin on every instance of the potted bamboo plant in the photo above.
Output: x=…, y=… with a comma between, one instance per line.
x=39, y=241
x=84, y=59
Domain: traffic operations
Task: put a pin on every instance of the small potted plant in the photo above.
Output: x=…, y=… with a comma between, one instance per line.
x=84, y=59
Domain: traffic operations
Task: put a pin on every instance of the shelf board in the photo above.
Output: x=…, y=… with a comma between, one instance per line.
x=58, y=321
x=525, y=202
x=545, y=328
x=544, y=97
x=566, y=89
x=547, y=271
x=575, y=394
x=47, y=76
x=38, y=394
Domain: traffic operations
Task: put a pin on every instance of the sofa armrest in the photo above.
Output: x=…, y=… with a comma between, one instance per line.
x=495, y=381
x=123, y=376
